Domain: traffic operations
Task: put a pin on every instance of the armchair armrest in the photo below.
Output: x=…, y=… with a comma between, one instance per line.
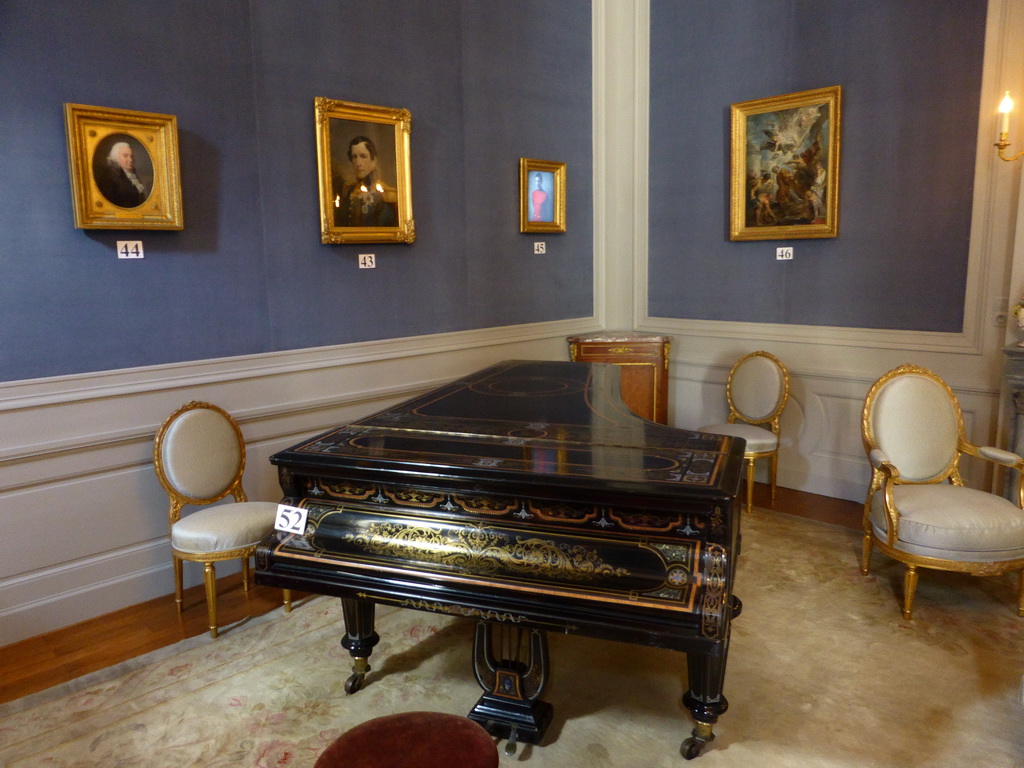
x=991, y=453
x=886, y=476
x=1006, y=459
x=998, y=455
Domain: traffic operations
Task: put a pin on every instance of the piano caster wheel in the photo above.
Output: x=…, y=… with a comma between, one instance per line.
x=510, y=745
x=354, y=683
x=360, y=666
x=699, y=739
x=692, y=748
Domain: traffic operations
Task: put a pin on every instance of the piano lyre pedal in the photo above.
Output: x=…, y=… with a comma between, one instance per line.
x=512, y=682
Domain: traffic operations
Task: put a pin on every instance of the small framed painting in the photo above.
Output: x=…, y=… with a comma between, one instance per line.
x=541, y=196
x=785, y=166
x=364, y=173
x=124, y=168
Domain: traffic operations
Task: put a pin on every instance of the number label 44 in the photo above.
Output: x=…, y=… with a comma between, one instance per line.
x=129, y=249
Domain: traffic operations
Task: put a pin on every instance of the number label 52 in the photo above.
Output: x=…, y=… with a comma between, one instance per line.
x=290, y=519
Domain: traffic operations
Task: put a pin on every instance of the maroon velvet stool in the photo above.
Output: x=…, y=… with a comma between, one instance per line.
x=412, y=740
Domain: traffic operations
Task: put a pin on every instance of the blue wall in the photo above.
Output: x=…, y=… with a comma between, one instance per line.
x=911, y=77
x=486, y=81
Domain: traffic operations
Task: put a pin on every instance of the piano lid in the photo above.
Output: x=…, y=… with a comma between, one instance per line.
x=556, y=424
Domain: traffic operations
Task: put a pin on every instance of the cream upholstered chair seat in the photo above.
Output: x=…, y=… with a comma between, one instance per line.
x=757, y=392
x=199, y=457
x=917, y=509
x=952, y=522
x=228, y=526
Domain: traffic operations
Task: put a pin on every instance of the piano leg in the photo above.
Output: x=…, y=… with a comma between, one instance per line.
x=704, y=699
x=359, y=639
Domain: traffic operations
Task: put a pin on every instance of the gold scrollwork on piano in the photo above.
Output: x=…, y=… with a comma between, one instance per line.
x=413, y=497
x=461, y=610
x=481, y=551
x=563, y=513
x=486, y=505
x=346, y=490
x=465, y=611
x=718, y=522
x=713, y=604
x=645, y=521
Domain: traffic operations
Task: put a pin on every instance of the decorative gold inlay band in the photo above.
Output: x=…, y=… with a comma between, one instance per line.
x=713, y=608
x=414, y=497
x=479, y=550
x=461, y=610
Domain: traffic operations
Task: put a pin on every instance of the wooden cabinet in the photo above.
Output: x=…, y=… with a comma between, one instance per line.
x=644, y=361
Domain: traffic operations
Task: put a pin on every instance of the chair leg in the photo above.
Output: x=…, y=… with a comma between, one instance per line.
x=287, y=600
x=178, y=593
x=246, y=578
x=210, y=579
x=1020, y=596
x=909, y=585
x=865, y=558
x=775, y=472
x=750, y=485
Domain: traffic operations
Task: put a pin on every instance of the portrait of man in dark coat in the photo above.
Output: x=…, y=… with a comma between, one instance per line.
x=116, y=174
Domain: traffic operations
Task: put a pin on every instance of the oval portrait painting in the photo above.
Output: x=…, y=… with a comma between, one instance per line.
x=123, y=170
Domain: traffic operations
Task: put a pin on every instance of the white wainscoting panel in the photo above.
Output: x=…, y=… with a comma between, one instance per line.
x=822, y=451
x=83, y=515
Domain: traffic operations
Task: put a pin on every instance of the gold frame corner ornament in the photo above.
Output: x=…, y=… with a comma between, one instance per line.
x=557, y=222
x=102, y=202
x=788, y=146
x=390, y=128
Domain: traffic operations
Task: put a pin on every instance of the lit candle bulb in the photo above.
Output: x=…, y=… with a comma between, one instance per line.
x=1004, y=109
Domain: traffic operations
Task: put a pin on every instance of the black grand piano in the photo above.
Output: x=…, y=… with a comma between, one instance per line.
x=527, y=497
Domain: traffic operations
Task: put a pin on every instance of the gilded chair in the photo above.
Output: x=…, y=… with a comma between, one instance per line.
x=757, y=392
x=199, y=457
x=917, y=509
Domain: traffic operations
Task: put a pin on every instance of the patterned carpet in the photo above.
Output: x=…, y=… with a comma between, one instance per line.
x=823, y=673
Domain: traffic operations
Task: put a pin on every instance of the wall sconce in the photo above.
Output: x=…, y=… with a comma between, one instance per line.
x=1004, y=128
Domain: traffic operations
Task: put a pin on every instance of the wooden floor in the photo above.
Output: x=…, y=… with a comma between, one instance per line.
x=56, y=657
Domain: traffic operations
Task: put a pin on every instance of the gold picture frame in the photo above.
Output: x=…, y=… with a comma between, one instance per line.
x=124, y=168
x=785, y=166
x=364, y=173
x=541, y=196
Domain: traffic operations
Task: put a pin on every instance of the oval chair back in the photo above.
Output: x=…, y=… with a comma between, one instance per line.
x=758, y=389
x=201, y=454
x=916, y=421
